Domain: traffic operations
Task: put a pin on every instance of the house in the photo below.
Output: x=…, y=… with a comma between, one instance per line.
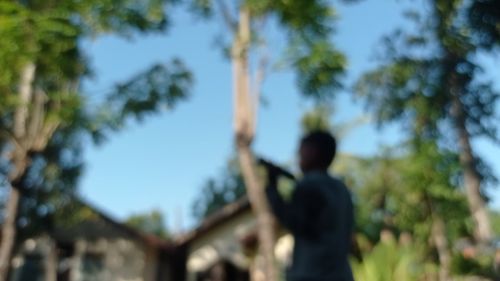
x=87, y=245
x=224, y=246
x=95, y=247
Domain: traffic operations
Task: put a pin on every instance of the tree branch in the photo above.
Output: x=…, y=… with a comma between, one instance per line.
x=25, y=95
x=37, y=116
x=259, y=77
x=48, y=127
x=11, y=139
x=244, y=124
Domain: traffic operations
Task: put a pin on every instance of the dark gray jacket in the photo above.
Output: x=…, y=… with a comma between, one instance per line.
x=320, y=218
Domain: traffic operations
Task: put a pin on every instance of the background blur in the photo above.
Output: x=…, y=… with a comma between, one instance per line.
x=118, y=122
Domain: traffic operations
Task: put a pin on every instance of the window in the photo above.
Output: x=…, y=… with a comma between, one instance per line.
x=31, y=270
x=65, y=252
x=92, y=267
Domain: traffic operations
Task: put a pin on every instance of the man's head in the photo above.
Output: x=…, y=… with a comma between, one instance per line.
x=317, y=151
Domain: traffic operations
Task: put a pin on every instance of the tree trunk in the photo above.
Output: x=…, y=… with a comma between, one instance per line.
x=244, y=121
x=265, y=219
x=19, y=163
x=51, y=261
x=25, y=94
x=441, y=242
x=472, y=179
x=439, y=239
x=9, y=232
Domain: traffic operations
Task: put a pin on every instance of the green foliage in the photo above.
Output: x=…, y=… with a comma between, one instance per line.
x=430, y=175
x=377, y=187
x=484, y=16
x=50, y=182
x=358, y=173
x=151, y=222
x=414, y=79
x=495, y=222
x=308, y=26
x=11, y=19
x=217, y=193
x=320, y=118
x=42, y=37
x=420, y=74
x=402, y=190
x=398, y=90
x=159, y=88
x=47, y=34
x=479, y=266
x=388, y=261
x=123, y=16
x=319, y=67
x=310, y=18
x=70, y=212
x=317, y=119
x=203, y=8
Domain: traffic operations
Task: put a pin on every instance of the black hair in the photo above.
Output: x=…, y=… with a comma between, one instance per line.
x=325, y=143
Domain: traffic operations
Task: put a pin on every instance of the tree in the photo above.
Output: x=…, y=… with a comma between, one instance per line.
x=434, y=72
x=427, y=201
x=408, y=192
x=496, y=222
x=407, y=189
x=218, y=192
x=150, y=222
x=390, y=261
x=40, y=89
x=484, y=16
x=320, y=117
x=24, y=133
x=229, y=186
x=430, y=174
x=317, y=119
x=307, y=25
x=49, y=183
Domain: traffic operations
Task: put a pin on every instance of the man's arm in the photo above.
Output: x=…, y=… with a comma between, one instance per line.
x=301, y=213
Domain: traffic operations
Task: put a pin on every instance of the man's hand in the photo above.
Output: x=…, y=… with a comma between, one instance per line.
x=273, y=172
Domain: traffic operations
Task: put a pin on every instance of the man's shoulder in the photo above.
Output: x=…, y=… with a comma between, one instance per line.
x=320, y=180
x=326, y=186
x=318, y=185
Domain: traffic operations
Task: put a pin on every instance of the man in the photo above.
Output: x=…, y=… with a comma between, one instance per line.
x=319, y=214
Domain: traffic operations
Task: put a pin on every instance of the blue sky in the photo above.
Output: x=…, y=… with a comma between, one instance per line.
x=163, y=162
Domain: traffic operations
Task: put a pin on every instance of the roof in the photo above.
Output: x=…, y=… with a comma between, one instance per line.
x=227, y=212
x=148, y=239
x=216, y=219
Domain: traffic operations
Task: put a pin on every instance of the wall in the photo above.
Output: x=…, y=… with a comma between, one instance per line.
x=121, y=258
x=223, y=243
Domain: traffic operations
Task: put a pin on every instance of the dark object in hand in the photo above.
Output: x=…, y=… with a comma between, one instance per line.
x=275, y=171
